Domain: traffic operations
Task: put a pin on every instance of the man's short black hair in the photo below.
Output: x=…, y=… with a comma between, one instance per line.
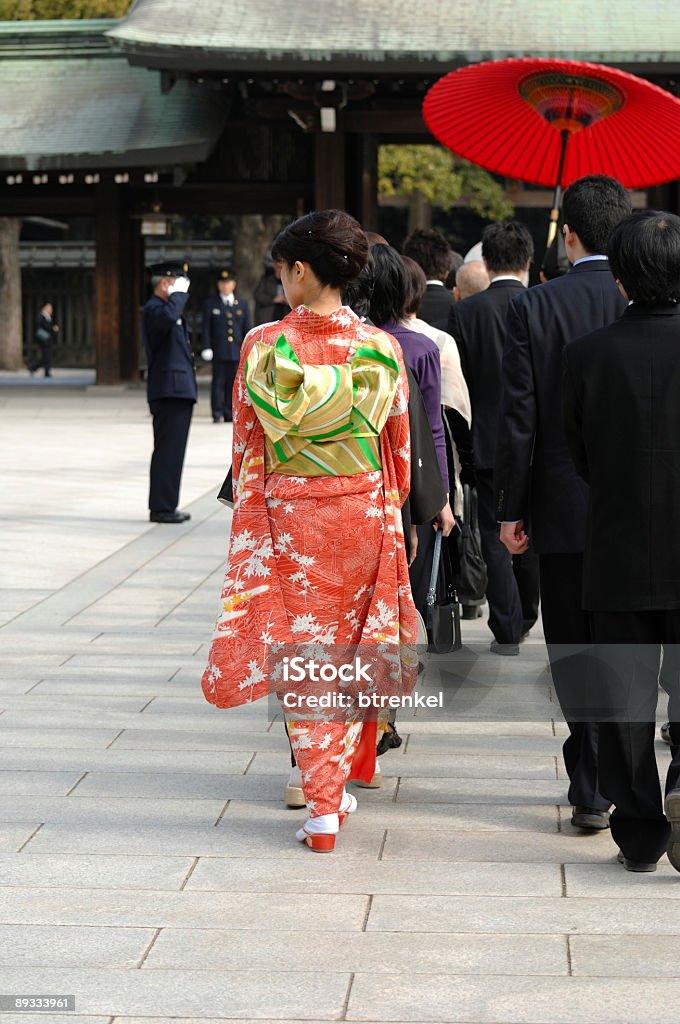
x=507, y=246
x=644, y=255
x=592, y=207
x=431, y=251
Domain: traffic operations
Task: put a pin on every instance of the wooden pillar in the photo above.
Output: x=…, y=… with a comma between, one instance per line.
x=368, y=184
x=131, y=280
x=107, y=283
x=329, y=169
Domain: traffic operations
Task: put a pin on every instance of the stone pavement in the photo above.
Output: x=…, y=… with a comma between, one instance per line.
x=147, y=864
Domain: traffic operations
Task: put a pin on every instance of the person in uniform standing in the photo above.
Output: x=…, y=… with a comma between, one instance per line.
x=226, y=321
x=171, y=386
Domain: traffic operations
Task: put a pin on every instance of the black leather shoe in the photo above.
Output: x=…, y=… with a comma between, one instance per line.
x=217, y=419
x=590, y=818
x=505, y=649
x=635, y=865
x=169, y=517
x=665, y=733
x=672, y=809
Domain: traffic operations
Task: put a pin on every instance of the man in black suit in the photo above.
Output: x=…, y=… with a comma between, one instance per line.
x=433, y=253
x=535, y=478
x=226, y=321
x=621, y=401
x=171, y=386
x=479, y=326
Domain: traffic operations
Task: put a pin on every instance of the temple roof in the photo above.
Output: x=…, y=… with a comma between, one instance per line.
x=393, y=35
x=70, y=102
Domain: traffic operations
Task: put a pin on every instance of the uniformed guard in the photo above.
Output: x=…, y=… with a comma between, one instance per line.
x=171, y=386
x=226, y=321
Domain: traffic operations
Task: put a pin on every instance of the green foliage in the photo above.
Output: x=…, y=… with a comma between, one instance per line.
x=441, y=179
x=47, y=10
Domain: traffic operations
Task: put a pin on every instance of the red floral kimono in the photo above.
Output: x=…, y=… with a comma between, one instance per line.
x=321, y=468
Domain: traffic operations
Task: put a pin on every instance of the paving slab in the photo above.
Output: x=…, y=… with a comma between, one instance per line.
x=485, y=790
x=519, y=914
x=13, y=835
x=145, y=908
x=331, y=875
x=625, y=956
x=521, y=1000
x=24, y=945
x=566, y=847
x=378, y=808
x=115, y=759
x=448, y=766
x=27, y=783
x=112, y=813
x=79, y=871
x=251, y=842
x=596, y=880
x=231, y=994
x=397, y=953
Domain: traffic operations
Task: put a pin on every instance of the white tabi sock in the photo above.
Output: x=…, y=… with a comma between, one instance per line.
x=325, y=824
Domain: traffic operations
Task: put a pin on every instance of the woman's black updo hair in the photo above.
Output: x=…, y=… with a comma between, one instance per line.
x=330, y=241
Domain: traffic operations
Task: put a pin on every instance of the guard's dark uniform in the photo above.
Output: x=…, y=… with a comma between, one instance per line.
x=224, y=328
x=171, y=392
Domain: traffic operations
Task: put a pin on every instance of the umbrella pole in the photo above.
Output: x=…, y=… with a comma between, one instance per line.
x=557, y=195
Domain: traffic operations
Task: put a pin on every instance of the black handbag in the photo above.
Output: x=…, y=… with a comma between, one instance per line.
x=471, y=577
x=443, y=613
x=226, y=494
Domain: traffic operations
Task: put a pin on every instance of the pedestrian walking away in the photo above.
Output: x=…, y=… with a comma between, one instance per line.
x=171, y=386
x=535, y=478
x=321, y=468
x=621, y=399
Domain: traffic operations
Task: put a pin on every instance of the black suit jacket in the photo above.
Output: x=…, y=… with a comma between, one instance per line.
x=168, y=350
x=436, y=303
x=479, y=326
x=534, y=477
x=622, y=423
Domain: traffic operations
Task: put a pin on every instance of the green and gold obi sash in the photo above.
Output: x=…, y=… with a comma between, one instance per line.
x=322, y=420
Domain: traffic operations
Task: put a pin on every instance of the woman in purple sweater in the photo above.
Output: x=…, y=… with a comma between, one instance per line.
x=421, y=355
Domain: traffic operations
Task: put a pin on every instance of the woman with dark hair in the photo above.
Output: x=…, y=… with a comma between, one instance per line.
x=321, y=467
x=421, y=355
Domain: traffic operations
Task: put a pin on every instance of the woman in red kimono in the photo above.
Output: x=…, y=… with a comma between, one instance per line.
x=321, y=468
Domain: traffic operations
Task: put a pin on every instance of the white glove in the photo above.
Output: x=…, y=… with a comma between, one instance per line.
x=181, y=285
x=206, y=355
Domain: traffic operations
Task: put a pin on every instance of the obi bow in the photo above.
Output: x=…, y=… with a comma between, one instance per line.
x=323, y=419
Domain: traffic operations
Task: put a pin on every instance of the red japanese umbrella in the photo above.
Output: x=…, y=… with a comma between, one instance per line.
x=550, y=121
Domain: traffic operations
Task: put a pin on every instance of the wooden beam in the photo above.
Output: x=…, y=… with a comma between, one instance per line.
x=107, y=283
x=329, y=170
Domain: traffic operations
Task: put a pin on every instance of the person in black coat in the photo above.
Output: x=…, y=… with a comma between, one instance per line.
x=432, y=252
x=45, y=334
x=226, y=321
x=535, y=479
x=479, y=326
x=621, y=395
x=171, y=387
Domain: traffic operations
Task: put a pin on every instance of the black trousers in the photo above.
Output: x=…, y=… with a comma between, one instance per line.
x=171, y=422
x=224, y=375
x=527, y=577
x=45, y=357
x=502, y=592
x=568, y=637
x=421, y=569
x=630, y=646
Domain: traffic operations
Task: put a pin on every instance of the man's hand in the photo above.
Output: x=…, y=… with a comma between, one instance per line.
x=414, y=545
x=514, y=537
x=207, y=355
x=445, y=520
x=180, y=284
